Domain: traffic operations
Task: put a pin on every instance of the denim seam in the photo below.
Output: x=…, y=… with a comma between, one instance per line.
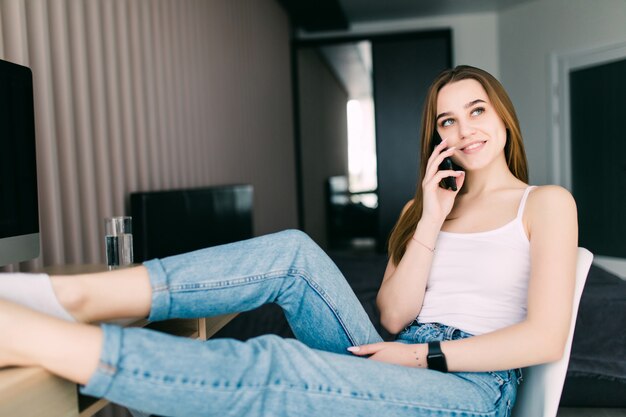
x=107, y=368
x=159, y=281
x=325, y=392
x=228, y=283
x=317, y=288
x=501, y=381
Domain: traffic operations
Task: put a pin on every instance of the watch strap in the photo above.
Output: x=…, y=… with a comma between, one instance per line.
x=436, y=359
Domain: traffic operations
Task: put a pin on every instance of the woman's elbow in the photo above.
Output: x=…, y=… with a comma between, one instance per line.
x=394, y=316
x=392, y=323
x=556, y=351
x=553, y=347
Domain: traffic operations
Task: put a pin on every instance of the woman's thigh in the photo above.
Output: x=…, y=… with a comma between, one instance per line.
x=271, y=376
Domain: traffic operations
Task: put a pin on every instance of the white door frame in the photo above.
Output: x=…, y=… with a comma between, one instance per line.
x=561, y=63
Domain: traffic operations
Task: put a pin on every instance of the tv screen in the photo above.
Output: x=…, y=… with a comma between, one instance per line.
x=19, y=214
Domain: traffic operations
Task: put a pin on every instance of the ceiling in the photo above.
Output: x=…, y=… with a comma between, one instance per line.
x=372, y=10
x=325, y=15
x=351, y=62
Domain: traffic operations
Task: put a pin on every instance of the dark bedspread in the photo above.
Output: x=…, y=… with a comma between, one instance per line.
x=596, y=376
x=599, y=347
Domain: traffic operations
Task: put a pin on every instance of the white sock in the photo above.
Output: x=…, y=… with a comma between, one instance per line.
x=33, y=291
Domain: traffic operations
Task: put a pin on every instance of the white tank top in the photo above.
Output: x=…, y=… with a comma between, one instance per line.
x=478, y=282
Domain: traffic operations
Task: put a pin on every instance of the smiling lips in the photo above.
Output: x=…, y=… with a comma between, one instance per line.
x=474, y=147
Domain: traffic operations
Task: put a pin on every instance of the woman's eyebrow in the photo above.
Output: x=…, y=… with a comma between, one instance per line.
x=471, y=103
x=468, y=105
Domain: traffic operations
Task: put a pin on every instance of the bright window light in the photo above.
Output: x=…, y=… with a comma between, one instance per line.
x=361, y=146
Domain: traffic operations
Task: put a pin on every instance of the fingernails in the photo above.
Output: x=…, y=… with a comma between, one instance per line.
x=354, y=349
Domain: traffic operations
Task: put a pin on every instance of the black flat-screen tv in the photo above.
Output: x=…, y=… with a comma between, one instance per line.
x=19, y=212
x=176, y=221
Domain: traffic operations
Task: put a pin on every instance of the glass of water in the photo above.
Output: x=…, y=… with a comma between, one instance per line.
x=118, y=241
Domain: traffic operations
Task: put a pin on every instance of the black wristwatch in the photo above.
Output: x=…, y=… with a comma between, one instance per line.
x=436, y=359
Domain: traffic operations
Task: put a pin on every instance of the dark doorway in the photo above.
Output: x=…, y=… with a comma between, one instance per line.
x=598, y=148
x=402, y=68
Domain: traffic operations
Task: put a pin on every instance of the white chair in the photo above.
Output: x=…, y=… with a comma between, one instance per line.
x=540, y=393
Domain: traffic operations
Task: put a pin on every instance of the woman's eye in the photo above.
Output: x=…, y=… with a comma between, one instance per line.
x=477, y=111
x=446, y=122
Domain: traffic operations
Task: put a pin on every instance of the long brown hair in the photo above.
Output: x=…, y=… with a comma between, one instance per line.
x=513, y=150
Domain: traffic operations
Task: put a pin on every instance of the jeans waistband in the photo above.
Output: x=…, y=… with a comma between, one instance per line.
x=417, y=332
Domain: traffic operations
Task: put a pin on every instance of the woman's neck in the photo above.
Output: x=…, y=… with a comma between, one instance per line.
x=492, y=177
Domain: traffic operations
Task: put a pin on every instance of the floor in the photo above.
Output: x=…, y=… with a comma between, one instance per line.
x=591, y=412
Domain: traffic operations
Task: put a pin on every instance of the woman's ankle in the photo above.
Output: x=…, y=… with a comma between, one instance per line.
x=72, y=295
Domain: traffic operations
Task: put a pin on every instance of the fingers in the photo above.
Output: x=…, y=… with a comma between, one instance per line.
x=460, y=180
x=434, y=166
x=437, y=150
x=436, y=159
x=367, y=349
x=440, y=175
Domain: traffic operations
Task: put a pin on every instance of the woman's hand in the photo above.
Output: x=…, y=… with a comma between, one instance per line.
x=413, y=355
x=438, y=201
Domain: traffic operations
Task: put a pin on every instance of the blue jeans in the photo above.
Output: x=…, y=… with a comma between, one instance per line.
x=272, y=376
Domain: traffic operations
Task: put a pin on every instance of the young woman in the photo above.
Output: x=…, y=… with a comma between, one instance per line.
x=479, y=283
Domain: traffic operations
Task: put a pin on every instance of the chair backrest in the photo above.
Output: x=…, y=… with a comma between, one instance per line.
x=540, y=393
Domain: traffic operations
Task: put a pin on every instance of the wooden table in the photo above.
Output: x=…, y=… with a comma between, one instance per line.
x=34, y=392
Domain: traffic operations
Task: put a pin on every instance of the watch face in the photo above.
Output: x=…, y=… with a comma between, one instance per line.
x=436, y=359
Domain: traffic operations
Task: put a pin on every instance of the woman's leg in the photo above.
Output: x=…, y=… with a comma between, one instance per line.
x=29, y=338
x=265, y=376
x=272, y=376
x=122, y=293
x=286, y=268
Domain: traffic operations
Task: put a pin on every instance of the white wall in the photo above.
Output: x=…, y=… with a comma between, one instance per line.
x=529, y=35
x=474, y=36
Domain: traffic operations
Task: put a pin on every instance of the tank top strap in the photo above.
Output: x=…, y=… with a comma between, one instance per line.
x=522, y=204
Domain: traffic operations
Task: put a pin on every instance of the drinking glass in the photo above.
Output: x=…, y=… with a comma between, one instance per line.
x=118, y=241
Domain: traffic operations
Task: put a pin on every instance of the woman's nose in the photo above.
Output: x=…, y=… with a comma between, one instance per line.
x=465, y=129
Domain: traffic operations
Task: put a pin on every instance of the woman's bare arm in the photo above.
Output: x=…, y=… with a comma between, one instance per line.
x=541, y=337
x=401, y=293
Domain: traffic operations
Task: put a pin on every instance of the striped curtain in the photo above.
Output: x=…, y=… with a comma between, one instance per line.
x=137, y=95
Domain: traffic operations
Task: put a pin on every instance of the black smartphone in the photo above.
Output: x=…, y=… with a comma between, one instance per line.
x=449, y=183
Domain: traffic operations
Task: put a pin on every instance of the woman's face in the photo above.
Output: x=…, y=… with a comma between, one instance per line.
x=466, y=118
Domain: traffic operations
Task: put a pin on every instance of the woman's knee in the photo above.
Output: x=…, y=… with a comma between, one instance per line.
x=298, y=238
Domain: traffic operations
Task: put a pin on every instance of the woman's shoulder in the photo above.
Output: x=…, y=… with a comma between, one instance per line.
x=550, y=194
x=549, y=202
